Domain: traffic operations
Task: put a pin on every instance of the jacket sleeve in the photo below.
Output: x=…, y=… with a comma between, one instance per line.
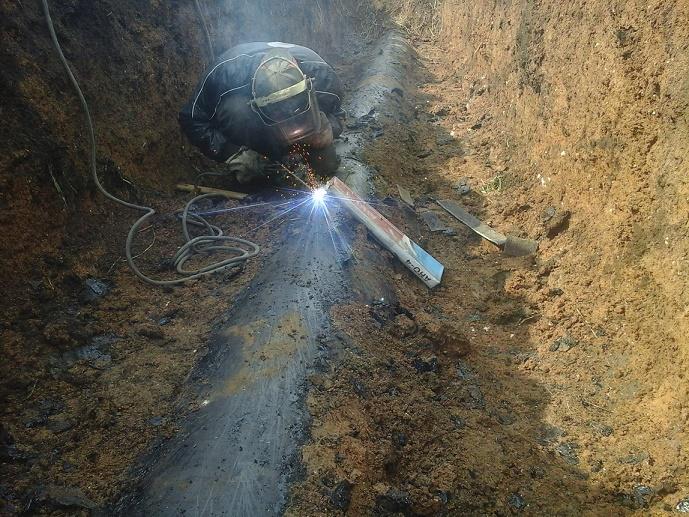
x=201, y=132
x=197, y=117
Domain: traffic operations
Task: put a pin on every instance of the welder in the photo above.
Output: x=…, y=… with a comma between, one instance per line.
x=265, y=105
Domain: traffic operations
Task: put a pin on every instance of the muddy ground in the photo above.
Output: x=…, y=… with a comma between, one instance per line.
x=546, y=385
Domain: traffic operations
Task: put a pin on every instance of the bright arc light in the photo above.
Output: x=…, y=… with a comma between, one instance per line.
x=318, y=195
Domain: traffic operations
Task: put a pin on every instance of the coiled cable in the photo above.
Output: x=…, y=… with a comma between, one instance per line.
x=215, y=241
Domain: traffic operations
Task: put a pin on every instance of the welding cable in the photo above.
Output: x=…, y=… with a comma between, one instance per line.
x=205, y=30
x=241, y=249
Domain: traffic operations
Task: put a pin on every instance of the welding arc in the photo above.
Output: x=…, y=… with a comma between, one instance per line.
x=241, y=249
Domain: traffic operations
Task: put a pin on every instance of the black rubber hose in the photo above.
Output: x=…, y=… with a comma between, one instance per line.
x=202, y=18
x=215, y=241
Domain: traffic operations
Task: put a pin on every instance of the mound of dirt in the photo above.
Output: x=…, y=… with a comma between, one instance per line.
x=562, y=390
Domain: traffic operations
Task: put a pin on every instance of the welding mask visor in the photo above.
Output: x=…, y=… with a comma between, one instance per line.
x=284, y=98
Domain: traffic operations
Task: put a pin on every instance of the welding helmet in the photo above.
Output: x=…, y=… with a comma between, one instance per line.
x=284, y=98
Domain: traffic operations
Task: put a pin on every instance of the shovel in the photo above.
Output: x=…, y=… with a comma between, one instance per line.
x=512, y=246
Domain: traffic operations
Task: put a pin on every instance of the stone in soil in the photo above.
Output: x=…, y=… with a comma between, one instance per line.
x=341, y=495
x=596, y=465
x=634, y=458
x=151, y=332
x=426, y=364
x=640, y=497
x=563, y=344
x=568, y=451
x=404, y=326
x=474, y=398
x=517, y=502
x=62, y=497
x=359, y=388
x=683, y=506
x=463, y=371
x=457, y=422
x=394, y=501
x=399, y=439
x=602, y=429
x=557, y=223
x=462, y=186
x=93, y=290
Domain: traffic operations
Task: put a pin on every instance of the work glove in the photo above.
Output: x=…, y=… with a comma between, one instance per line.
x=249, y=166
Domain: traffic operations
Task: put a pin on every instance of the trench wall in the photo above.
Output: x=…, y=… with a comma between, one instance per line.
x=587, y=105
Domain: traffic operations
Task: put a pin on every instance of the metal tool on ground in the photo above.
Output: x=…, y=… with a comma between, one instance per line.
x=405, y=196
x=198, y=189
x=413, y=256
x=434, y=223
x=512, y=246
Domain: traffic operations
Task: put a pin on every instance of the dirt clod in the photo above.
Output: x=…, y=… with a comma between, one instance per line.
x=341, y=495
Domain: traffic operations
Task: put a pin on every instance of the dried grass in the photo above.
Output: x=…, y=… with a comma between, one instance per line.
x=418, y=18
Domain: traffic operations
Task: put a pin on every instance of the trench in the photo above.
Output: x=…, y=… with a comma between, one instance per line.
x=326, y=379
x=237, y=453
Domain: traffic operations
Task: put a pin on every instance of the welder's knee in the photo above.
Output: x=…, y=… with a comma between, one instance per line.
x=324, y=162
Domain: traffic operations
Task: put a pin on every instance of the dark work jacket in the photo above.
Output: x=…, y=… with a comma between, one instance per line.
x=218, y=118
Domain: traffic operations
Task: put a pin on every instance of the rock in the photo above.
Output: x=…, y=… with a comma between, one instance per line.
x=359, y=388
x=517, y=502
x=558, y=223
x=548, y=214
x=462, y=186
x=643, y=495
x=156, y=421
x=474, y=399
x=596, y=465
x=399, y=439
x=93, y=290
x=634, y=458
x=341, y=495
x=505, y=418
x=403, y=326
x=568, y=451
x=426, y=364
x=640, y=497
x=382, y=312
x=457, y=422
x=602, y=429
x=563, y=344
x=463, y=371
x=683, y=506
x=94, y=356
x=63, y=497
x=537, y=472
x=424, y=154
x=394, y=501
x=553, y=293
x=151, y=332
x=59, y=424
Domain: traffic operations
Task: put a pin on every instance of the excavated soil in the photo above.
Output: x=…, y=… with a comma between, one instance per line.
x=548, y=385
x=545, y=385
